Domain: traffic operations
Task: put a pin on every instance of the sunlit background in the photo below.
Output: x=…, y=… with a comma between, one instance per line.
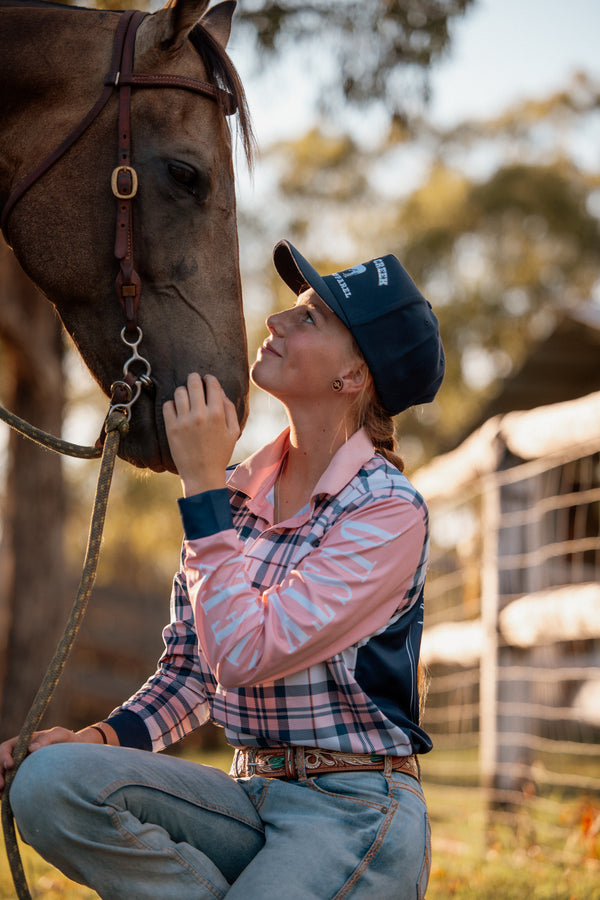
x=482, y=174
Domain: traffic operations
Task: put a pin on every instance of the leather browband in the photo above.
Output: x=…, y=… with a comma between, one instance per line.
x=121, y=78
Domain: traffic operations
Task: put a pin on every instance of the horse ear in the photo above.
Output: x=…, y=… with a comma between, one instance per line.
x=177, y=18
x=171, y=25
x=218, y=21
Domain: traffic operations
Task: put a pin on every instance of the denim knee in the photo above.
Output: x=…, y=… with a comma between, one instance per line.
x=35, y=792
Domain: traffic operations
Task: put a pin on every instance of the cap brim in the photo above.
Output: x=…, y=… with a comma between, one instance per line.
x=297, y=272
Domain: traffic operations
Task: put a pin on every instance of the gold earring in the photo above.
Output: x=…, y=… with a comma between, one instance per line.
x=337, y=384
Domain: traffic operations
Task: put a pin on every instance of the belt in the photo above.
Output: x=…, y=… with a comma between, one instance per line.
x=305, y=762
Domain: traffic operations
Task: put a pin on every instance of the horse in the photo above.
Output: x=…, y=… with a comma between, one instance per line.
x=116, y=167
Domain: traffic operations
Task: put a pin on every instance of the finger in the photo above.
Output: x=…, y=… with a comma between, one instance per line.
x=214, y=391
x=38, y=739
x=56, y=735
x=197, y=392
x=213, y=381
x=6, y=753
x=219, y=401
x=181, y=400
x=169, y=413
x=195, y=381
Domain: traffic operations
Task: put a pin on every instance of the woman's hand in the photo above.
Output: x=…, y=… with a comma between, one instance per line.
x=202, y=429
x=56, y=735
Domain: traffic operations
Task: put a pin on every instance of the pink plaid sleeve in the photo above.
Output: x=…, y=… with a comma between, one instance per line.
x=368, y=567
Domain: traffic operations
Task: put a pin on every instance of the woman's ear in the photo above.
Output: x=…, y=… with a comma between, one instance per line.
x=354, y=377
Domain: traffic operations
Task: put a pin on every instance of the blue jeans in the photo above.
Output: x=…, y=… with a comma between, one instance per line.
x=135, y=825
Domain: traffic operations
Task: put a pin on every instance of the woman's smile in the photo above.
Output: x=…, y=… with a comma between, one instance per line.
x=267, y=347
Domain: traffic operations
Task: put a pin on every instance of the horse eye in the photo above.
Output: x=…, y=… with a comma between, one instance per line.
x=187, y=177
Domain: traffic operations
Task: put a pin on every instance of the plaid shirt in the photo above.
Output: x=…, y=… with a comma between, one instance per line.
x=302, y=632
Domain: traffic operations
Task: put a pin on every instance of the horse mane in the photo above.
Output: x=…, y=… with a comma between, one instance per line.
x=222, y=73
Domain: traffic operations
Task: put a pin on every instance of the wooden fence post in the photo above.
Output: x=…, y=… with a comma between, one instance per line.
x=488, y=692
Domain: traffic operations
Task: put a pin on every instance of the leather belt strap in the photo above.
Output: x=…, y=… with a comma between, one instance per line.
x=306, y=762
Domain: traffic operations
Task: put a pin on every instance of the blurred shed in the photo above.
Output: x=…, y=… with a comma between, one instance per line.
x=512, y=625
x=562, y=366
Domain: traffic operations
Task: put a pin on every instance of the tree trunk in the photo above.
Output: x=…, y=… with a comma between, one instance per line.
x=32, y=590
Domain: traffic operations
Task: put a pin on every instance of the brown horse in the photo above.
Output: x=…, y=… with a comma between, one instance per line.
x=180, y=237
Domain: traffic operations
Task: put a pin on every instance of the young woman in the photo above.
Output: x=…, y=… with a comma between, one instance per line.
x=295, y=624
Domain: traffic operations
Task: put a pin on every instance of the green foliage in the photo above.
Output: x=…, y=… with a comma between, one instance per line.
x=500, y=231
x=374, y=49
x=324, y=168
x=500, y=259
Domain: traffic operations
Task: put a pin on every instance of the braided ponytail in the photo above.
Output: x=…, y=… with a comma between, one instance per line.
x=378, y=424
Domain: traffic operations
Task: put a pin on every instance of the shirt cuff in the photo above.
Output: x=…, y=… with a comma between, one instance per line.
x=131, y=730
x=205, y=514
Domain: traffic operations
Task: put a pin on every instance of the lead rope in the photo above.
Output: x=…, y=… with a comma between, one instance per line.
x=48, y=440
x=116, y=425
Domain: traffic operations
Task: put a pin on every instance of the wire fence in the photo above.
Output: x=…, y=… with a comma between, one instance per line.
x=512, y=636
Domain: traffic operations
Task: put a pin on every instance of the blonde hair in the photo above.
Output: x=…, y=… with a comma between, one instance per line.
x=377, y=422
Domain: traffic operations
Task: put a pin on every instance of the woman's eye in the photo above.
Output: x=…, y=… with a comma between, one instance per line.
x=308, y=316
x=189, y=178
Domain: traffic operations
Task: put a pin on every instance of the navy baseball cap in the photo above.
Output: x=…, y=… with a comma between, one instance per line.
x=390, y=320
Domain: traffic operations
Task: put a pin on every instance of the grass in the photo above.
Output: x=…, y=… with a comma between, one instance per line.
x=524, y=855
x=549, y=851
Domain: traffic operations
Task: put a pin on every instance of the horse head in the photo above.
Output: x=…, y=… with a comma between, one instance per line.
x=184, y=234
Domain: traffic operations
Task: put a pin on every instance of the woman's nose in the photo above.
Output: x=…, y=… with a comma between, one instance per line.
x=275, y=322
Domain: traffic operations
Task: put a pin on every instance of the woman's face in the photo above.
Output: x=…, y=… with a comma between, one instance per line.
x=307, y=348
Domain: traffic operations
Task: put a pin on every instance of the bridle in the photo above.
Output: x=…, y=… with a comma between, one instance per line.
x=124, y=184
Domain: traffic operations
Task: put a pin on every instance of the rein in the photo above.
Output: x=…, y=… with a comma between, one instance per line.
x=116, y=425
x=124, y=185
